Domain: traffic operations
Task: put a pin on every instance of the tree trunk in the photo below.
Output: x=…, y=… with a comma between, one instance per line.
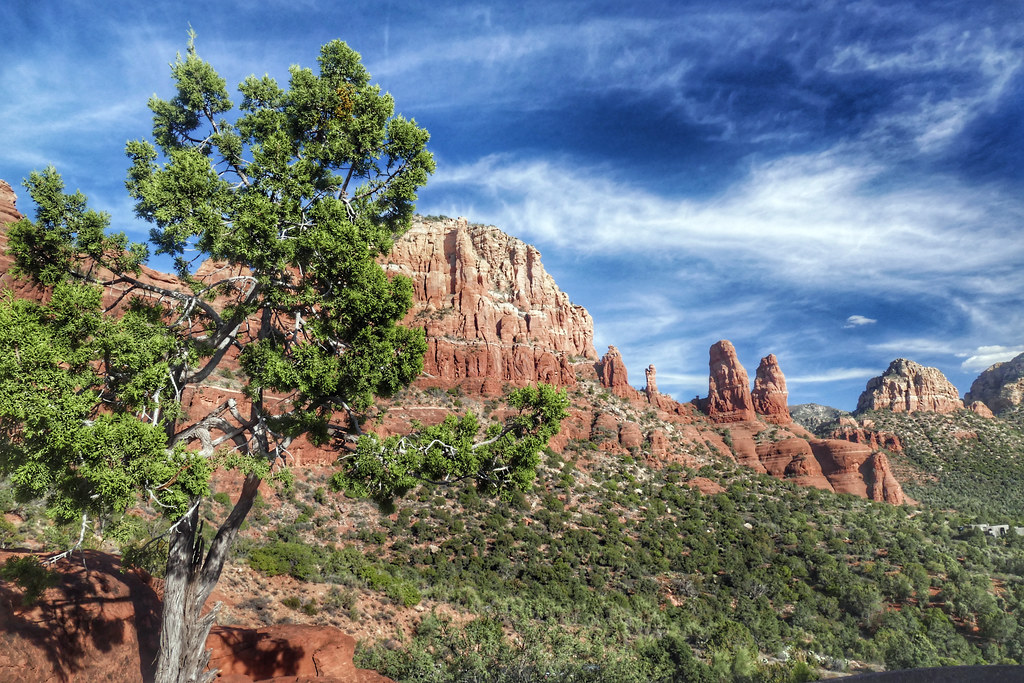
x=190, y=579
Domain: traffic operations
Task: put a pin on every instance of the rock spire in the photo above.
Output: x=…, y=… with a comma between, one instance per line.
x=728, y=386
x=770, y=396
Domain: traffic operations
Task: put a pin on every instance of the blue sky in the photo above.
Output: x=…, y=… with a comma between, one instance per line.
x=838, y=183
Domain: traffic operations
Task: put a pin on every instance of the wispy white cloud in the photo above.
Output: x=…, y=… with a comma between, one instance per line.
x=836, y=375
x=912, y=346
x=811, y=219
x=858, y=321
x=985, y=357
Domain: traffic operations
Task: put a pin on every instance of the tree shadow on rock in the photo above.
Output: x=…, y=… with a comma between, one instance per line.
x=96, y=619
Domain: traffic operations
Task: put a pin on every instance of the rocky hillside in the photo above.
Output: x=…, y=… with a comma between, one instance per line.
x=813, y=415
x=645, y=549
x=495, y=318
x=1001, y=387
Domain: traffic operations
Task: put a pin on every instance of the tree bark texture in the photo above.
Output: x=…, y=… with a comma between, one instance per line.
x=190, y=579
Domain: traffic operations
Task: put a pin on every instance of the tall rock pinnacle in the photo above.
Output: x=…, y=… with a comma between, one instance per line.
x=728, y=386
x=770, y=395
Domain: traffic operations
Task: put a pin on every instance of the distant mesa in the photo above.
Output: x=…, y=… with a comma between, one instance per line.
x=1000, y=388
x=908, y=387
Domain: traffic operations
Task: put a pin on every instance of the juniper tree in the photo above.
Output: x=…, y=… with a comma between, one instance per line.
x=293, y=198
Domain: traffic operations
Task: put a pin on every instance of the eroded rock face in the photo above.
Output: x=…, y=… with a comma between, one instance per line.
x=793, y=459
x=292, y=650
x=864, y=432
x=980, y=409
x=8, y=203
x=728, y=386
x=652, y=382
x=112, y=295
x=1001, y=387
x=857, y=469
x=491, y=312
x=908, y=387
x=770, y=396
x=611, y=371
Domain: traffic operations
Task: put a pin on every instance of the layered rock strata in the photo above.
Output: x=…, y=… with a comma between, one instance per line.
x=1000, y=387
x=908, y=387
x=611, y=372
x=495, y=317
x=864, y=432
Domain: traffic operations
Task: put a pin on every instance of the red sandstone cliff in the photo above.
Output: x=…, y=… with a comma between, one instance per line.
x=8, y=200
x=843, y=466
x=611, y=372
x=112, y=296
x=863, y=431
x=907, y=387
x=492, y=314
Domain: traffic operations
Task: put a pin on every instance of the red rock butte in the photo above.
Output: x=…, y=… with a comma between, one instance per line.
x=907, y=387
x=729, y=398
x=998, y=389
x=770, y=396
x=838, y=465
x=492, y=314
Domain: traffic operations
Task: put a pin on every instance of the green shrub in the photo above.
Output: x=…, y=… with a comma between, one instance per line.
x=280, y=557
x=8, y=533
x=29, y=574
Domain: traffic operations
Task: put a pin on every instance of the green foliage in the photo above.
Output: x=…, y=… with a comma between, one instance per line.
x=505, y=461
x=962, y=461
x=30, y=575
x=303, y=189
x=72, y=383
x=9, y=534
x=678, y=588
x=279, y=557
